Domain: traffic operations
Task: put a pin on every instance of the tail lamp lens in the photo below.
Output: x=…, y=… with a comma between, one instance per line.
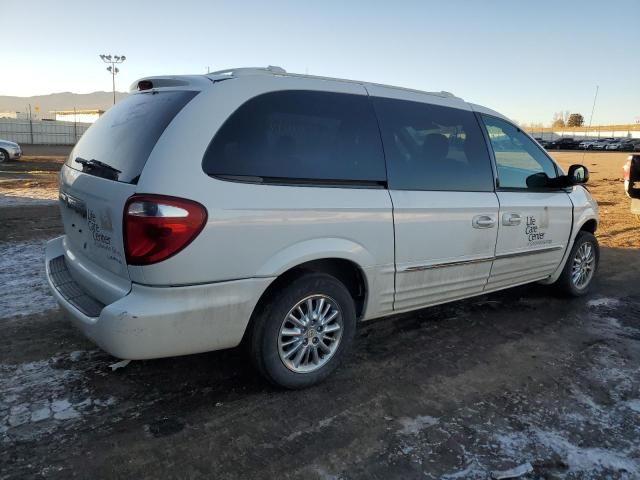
x=157, y=227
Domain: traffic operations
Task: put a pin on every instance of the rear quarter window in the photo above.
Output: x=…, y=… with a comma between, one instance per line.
x=124, y=136
x=299, y=135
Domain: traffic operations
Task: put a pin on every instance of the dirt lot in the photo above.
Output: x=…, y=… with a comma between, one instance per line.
x=448, y=392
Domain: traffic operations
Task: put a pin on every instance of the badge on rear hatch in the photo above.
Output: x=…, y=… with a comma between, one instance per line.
x=74, y=204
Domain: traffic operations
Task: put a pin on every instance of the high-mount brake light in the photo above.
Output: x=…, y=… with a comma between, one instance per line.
x=157, y=227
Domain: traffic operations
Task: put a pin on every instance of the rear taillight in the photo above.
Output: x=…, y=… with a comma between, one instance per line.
x=157, y=227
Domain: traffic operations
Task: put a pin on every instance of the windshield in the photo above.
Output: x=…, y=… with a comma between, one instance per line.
x=118, y=144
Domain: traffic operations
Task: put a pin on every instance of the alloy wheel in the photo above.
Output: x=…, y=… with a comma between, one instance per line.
x=584, y=262
x=310, y=334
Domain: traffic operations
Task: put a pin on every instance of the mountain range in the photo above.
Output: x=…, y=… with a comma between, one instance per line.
x=59, y=101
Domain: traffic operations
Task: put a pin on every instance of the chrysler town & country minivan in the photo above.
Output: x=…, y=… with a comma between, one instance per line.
x=278, y=210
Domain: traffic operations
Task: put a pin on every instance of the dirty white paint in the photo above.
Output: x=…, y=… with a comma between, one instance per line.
x=22, y=275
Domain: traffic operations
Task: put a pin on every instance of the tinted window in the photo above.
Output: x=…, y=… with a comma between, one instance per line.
x=517, y=156
x=430, y=147
x=299, y=135
x=124, y=136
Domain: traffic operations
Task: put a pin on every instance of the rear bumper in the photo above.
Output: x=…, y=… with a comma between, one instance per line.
x=154, y=322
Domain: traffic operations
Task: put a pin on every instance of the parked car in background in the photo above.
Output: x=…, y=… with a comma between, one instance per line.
x=300, y=206
x=542, y=142
x=602, y=143
x=614, y=145
x=9, y=151
x=624, y=145
x=636, y=145
x=564, y=143
x=629, y=144
x=587, y=144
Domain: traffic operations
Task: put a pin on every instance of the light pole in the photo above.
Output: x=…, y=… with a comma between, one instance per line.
x=112, y=69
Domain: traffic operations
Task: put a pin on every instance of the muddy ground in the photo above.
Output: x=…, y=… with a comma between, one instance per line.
x=448, y=392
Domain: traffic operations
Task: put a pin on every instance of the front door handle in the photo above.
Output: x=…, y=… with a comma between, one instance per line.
x=511, y=219
x=483, y=221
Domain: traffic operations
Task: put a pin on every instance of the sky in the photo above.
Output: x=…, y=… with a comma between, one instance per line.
x=527, y=60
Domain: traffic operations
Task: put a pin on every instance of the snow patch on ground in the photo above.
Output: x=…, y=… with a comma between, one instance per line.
x=633, y=405
x=36, y=397
x=577, y=458
x=549, y=434
x=413, y=426
x=592, y=437
x=604, y=302
x=29, y=193
x=470, y=471
x=18, y=200
x=22, y=276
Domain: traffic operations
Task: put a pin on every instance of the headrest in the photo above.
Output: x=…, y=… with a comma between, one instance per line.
x=435, y=146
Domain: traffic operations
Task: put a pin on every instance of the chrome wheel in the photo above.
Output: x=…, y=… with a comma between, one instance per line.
x=584, y=263
x=4, y=156
x=310, y=334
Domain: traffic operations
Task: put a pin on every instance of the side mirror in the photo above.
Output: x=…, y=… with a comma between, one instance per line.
x=578, y=174
x=538, y=180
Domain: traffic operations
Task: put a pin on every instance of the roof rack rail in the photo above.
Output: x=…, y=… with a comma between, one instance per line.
x=250, y=71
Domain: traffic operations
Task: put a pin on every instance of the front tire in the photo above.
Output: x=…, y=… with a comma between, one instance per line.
x=303, y=332
x=581, y=266
x=4, y=156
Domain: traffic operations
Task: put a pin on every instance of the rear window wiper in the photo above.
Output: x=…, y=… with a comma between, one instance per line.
x=98, y=168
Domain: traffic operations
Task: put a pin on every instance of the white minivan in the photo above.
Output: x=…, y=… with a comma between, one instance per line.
x=279, y=209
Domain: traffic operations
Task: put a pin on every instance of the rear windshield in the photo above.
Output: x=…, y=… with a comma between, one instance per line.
x=118, y=144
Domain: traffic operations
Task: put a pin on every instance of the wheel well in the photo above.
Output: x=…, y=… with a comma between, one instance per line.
x=589, y=226
x=348, y=272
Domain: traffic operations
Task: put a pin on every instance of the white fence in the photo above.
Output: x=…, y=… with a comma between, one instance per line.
x=41, y=132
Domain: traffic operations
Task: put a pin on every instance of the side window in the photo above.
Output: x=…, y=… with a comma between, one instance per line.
x=304, y=135
x=517, y=156
x=430, y=147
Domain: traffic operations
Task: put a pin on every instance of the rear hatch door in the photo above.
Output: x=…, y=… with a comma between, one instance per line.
x=99, y=176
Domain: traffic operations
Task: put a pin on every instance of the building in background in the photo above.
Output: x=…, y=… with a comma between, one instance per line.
x=14, y=115
x=79, y=116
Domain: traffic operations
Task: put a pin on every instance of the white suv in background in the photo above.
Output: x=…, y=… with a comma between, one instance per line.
x=281, y=209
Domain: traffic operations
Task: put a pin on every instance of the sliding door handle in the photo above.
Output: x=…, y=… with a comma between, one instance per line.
x=483, y=221
x=511, y=219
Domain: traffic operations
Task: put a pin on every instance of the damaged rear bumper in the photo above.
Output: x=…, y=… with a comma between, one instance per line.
x=154, y=322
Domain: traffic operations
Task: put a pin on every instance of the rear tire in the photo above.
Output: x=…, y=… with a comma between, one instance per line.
x=291, y=323
x=581, y=266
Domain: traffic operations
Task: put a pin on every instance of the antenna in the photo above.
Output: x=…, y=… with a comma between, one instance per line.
x=593, y=107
